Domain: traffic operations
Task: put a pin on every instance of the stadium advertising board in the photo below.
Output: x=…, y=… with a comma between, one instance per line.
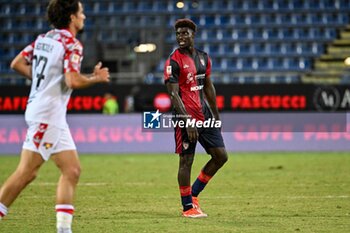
x=124, y=133
x=237, y=98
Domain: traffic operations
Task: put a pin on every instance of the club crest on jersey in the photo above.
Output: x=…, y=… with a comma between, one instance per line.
x=47, y=145
x=190, y=78
x=168, y=70
x=185, y=145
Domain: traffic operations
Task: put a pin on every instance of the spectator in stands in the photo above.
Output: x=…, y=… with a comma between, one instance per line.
x=53, y=64
x=130, y=100
x=110, y=106
x=187, y=77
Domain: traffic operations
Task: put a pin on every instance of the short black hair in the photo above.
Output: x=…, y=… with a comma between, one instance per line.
x=180, y=23
x=59, y=12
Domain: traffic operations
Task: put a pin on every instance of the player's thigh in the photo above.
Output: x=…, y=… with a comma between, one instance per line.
x=211, y=140
x=182, y=143
x=30, y=161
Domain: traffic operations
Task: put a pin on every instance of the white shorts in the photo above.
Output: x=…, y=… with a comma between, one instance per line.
x=47, y=139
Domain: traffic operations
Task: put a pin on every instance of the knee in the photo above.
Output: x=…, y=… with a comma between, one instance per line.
x=73, y=173
x=186, y=162
x=27, y=176
x=222, y=159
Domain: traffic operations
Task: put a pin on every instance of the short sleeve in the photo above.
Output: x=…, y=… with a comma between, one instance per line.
x=27, y=52
x=171, y=71
x=73, y=57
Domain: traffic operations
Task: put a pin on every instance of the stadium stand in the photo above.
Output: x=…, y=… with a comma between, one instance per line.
x=251, y=41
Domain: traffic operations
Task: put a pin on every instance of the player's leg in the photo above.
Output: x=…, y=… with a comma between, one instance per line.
x=69, y=165
x=186, y=151
x=184, y=180
x=25, y=173
x=212, y=141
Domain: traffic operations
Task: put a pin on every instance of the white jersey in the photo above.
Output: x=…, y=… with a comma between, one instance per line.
x=52, y=55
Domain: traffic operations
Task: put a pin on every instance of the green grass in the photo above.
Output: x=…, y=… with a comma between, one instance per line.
x=255, y=192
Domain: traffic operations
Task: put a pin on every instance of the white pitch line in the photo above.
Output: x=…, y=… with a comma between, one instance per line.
x=79, y=184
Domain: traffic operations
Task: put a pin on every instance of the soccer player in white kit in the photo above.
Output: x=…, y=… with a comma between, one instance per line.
x=53, y=63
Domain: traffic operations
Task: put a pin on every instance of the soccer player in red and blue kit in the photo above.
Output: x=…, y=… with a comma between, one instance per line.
x=187, y=77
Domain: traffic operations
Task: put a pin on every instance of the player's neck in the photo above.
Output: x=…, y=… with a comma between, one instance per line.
x=188, y=50
x=73, y=31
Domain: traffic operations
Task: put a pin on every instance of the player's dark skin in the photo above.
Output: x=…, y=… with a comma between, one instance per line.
x=185, y=39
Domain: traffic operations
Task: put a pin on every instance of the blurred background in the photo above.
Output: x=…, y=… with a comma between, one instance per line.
x=267, y=55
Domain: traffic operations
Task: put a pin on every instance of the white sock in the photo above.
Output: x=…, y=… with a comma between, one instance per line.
x=3, y=210
x=64, y=216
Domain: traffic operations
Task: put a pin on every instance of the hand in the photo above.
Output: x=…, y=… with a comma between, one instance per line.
x=192, y=133
x=101, y=74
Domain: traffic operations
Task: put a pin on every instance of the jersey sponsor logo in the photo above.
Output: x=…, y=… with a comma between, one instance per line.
x=168, y=70
x=200, y=76
x=186, y=66
x=197, y=88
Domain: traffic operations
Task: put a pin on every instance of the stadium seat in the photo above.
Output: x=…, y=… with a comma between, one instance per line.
x=250, y=36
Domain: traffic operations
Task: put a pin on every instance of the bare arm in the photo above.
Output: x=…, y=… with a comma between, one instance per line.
x=76, y=80
x=173, y=90
x=21, y=66
x=210, y=94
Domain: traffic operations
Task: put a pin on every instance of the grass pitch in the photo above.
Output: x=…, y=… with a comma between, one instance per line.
x=259, y=192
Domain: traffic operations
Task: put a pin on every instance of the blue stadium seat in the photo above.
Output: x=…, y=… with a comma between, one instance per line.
x=277, y=63
x=281, y=5
x=208, y=21
x=216, y=63
x=328, y=4
x=312, y=4
x=268, y=18
x=300, y=33
x=343, y=4
x=285, y=33
x=117, y=6
x=252, y=19
x=146, y=6
x=237, y=5
x=330, y=18
x=88, y=7
x=250, y=4
x=267, y=4
x=238, y=19
x=283, y=18
x=130, y=6
x=239, y=34
x=270, y=33
x=297, y=4
x=213, y=49
x=343, y=18
x=315, y=18
x=258, y=48
x=161, y=6
x=223, y=20
x=232, y=64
